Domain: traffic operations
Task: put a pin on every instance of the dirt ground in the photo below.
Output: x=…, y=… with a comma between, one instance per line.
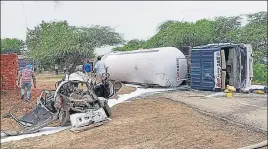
x=148, y=122
x=126, y=90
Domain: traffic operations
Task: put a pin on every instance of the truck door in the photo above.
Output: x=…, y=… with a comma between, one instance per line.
x=206, y=69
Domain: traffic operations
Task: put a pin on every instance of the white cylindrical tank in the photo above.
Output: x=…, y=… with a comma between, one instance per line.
x=166, y=66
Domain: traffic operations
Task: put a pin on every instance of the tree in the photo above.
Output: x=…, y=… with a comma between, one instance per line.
x=58, y=42
x=11, y=45
x=226, y=28
x=131, y=45
x=220, y=29
x=171, y=33
x=177, y=33
x=255, y=33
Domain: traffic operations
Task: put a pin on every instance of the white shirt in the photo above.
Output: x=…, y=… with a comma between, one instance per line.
x=100, y=67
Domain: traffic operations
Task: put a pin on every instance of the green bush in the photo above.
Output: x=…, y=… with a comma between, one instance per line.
x=260, y=73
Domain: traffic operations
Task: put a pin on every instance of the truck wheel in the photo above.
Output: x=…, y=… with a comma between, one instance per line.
x=107, y=109
x=64, y=117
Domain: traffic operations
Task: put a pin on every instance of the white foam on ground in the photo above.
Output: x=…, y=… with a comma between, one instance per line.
x=218, y=94
x=43, y=131
x=111, y=102
x=138, y=92
x=255, y=87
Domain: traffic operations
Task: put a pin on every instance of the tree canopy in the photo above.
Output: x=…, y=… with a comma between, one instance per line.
x=204, y=31
x=60, y=43
x=13, y=45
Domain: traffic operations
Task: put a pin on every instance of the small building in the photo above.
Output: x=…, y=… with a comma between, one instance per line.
x=9, y=71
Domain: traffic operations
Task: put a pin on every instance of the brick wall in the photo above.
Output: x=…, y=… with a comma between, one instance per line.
x=9, y=71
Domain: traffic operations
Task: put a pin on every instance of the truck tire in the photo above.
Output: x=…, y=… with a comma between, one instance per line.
x=64, y=117
x=107, y=109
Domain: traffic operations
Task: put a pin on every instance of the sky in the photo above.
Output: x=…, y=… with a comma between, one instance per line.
x=134, y=19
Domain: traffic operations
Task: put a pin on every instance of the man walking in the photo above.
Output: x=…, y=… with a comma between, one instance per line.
x=25, y=79
x=100, y=68
x=87, y=68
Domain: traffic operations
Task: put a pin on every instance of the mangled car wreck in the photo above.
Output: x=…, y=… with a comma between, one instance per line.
x=77, y=102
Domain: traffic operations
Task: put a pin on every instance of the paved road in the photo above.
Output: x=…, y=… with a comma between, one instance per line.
x=248, y=109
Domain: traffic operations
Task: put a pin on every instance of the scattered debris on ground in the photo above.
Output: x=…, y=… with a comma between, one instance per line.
x=77, y=101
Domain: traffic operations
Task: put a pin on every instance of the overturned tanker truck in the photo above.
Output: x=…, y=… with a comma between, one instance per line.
x=77, y=100
x=165, y=67
x=208, y=67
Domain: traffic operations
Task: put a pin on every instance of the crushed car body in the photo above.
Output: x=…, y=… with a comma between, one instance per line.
x=76, y=102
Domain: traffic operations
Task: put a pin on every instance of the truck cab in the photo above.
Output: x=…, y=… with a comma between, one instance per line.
x=215, y=66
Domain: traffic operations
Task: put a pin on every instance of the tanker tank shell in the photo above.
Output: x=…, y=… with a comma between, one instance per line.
x=166, y=66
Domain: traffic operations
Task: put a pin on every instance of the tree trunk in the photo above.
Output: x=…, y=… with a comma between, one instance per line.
x=74, y=63
x=72, y=69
